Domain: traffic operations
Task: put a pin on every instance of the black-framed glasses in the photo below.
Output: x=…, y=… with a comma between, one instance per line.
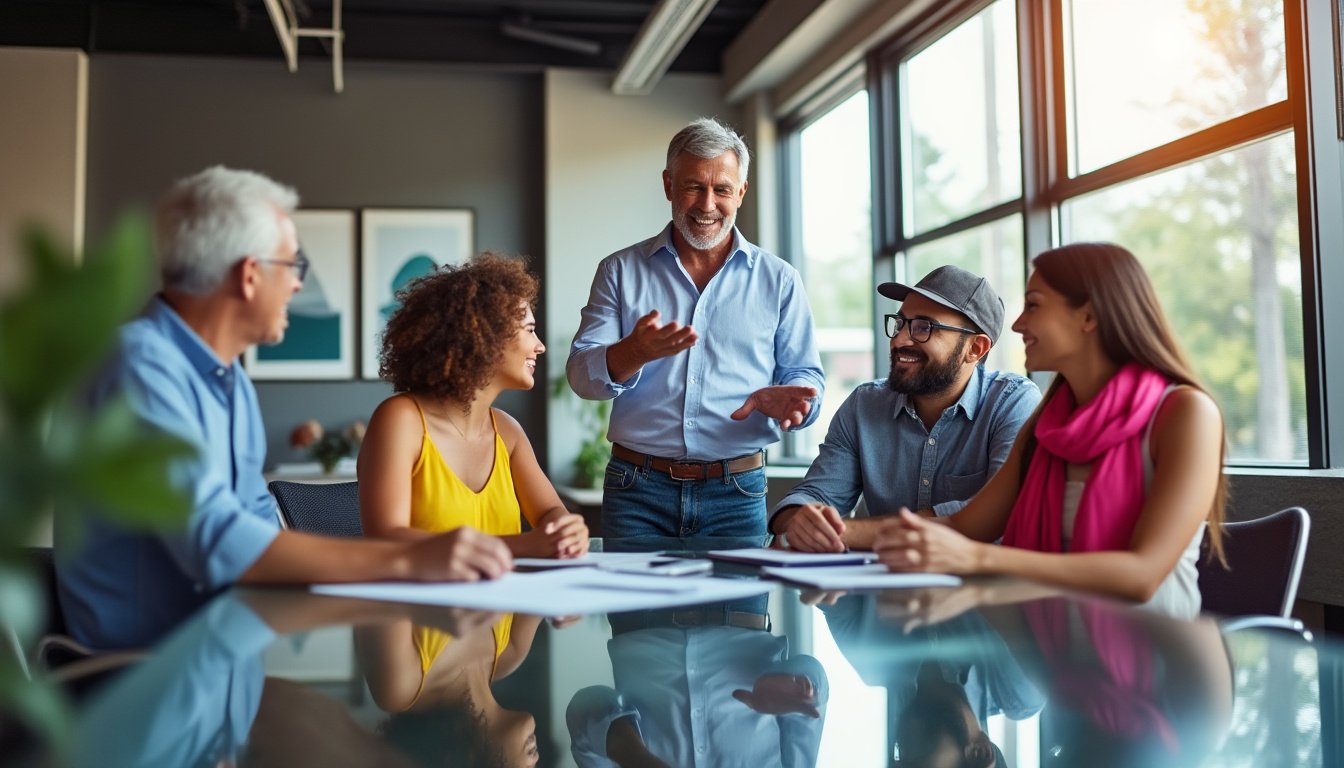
x=920, y=328
x=300, y=263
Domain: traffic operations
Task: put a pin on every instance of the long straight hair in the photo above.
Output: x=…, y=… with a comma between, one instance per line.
x=1132, y=328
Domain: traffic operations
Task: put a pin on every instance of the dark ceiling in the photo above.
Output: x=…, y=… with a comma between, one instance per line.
x=454, y=31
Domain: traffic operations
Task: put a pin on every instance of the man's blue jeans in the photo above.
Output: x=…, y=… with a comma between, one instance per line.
x=639, y=502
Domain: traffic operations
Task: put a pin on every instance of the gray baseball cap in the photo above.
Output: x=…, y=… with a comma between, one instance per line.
x=955, y=288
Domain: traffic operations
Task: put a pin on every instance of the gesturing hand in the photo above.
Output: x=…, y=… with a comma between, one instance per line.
x=788, y=405
x=779, y=693
x=650, y=340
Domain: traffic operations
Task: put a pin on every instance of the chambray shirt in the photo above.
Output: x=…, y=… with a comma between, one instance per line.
x=878, y=447
x=755, y=329
x=122, y=588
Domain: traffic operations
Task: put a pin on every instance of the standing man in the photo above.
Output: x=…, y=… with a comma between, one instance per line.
x=229, y=262
x=706, y=343
x=929, y=435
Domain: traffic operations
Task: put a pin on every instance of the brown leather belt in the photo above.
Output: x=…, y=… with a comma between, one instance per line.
x=689, y=470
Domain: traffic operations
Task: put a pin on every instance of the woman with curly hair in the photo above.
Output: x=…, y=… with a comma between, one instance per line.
x=436, y=455
x=1115, y=479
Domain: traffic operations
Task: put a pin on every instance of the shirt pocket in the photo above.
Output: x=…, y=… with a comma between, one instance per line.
x=963, y=487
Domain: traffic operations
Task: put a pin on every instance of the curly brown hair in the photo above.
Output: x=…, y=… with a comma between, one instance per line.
x=448, y=335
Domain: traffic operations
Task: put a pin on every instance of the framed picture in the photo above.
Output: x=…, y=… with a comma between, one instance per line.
x=399, y=246
x=320, y=340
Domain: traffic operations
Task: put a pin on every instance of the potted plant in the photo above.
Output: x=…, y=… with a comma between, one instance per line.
x=56, y=328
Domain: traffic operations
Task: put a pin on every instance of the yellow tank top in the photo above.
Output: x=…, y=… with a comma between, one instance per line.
x=440, y=502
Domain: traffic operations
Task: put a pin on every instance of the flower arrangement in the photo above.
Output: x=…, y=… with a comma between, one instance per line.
x=328, y=448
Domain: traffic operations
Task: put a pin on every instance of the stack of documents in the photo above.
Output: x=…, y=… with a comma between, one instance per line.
x=872, y=576
x=560, y=592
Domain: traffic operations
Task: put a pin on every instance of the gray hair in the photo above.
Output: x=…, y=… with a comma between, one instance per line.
x=210, y=220
x=709, y=138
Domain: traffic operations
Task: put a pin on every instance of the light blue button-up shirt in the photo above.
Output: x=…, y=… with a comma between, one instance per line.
x=755, y=329
x=122, y=588
x=677, y=685
x=878, y=447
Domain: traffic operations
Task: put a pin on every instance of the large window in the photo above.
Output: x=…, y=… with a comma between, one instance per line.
x=1000, y=137
x=831, y=212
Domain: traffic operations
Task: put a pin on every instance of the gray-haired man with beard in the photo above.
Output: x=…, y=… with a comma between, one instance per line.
x=929, y=435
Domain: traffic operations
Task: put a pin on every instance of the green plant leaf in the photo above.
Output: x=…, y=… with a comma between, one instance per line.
x=54, y=334
x=124, y=469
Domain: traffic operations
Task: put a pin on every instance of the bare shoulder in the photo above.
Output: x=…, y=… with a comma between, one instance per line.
x=509, y=428
x=1187, y=415
x=397, y=412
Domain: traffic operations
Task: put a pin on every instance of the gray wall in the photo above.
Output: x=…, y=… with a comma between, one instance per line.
x=418, y=136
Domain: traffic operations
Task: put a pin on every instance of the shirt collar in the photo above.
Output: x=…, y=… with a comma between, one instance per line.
x=969, y=402
x=663, y=242
x=202, y=358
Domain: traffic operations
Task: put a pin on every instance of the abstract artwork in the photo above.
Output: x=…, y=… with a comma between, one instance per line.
x=398, y=247
x=320, y=340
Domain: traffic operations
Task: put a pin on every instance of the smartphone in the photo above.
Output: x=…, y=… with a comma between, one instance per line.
x=678, y=567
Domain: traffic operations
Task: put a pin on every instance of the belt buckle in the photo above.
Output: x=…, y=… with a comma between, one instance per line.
x=697, y=471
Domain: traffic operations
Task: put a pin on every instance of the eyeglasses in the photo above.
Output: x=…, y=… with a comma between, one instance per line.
x=920, y=328
x=300, y=263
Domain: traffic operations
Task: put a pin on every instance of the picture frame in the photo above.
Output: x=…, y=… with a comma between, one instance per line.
x=319, y=342
x=399, y=245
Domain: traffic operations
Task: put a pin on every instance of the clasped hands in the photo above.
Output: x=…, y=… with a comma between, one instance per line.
x=650, y=340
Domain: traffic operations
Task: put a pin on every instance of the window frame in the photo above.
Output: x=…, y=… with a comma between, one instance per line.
x=790, y=129
x=1314, y=111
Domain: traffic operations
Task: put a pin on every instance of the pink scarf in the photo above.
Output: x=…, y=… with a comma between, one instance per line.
x=1107, y=432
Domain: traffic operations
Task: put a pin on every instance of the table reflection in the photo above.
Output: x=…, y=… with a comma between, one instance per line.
x=697, y=684
x=1112, y=685
x=436, y=686
x=961, y=677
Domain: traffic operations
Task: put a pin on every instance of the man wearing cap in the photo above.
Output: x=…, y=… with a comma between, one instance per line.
x=929, y=435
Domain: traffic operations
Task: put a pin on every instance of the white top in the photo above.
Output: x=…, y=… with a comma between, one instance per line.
x=1178, y=594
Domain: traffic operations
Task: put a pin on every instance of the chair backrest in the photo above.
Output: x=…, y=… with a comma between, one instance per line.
x=331, y=509
x=1264, y=559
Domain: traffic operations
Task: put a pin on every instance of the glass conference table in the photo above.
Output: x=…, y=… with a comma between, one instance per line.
x=994, y=670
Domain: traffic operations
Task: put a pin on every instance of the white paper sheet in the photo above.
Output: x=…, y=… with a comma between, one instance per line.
x=788, y=557
x=564, y=592
x=589, y=560
x=872, y=576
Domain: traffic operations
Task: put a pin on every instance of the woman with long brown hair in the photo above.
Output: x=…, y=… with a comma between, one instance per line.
x=1111, y=484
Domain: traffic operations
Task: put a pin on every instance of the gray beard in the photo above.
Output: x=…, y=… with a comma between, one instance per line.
x=705, y=245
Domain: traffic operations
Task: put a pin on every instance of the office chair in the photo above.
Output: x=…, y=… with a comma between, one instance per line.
x=331, y=509
x=1264, y=565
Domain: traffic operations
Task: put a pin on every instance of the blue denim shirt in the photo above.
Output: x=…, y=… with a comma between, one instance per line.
x=755, y=330
x=878, y=447
x=122, y=588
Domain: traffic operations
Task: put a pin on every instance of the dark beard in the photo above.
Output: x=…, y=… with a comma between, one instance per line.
x=934, y=377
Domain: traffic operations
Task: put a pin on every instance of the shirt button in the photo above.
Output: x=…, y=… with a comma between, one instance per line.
x=690, y=422
x=932, y=441
x=692, y=379
x=219, y=371
x=924, y=481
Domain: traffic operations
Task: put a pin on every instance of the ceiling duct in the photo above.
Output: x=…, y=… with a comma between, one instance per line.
x=665, y=33
x=523, y=29
x=287, y=28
